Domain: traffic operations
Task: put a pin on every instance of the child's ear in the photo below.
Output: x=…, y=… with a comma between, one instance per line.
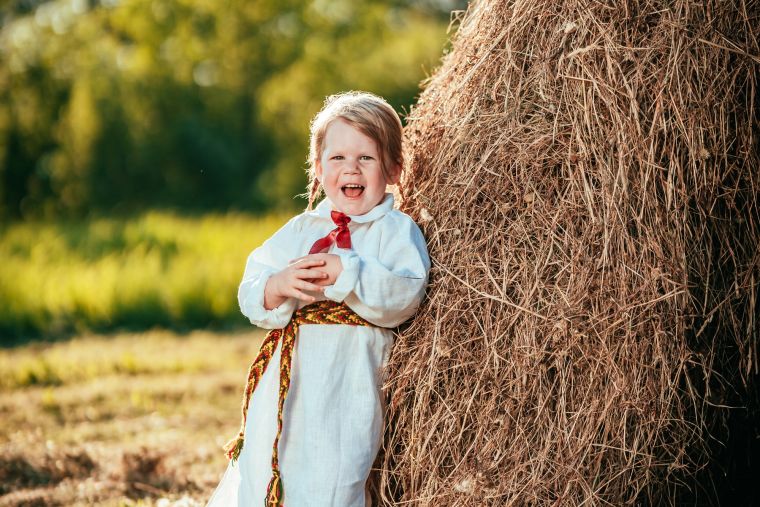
x=318, y=169
x=395, y=174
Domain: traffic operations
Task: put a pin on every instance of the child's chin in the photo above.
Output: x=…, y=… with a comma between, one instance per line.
x=355, y=211
x=351, y=204
x=350, y=207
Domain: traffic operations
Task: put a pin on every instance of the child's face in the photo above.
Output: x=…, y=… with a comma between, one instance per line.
x=349, y=157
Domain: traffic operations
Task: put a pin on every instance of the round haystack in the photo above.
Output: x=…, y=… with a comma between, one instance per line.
x=586, y=175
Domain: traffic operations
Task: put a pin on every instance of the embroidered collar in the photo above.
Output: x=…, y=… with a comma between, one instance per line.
x=323, y=210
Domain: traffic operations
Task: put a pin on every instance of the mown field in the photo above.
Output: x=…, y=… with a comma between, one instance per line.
x=118, y=420
x=122, y=357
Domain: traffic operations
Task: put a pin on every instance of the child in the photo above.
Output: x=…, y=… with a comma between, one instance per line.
x=330, y=283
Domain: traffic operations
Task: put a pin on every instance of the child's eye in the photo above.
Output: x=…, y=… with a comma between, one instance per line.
x=337, y=157
x=366, y=157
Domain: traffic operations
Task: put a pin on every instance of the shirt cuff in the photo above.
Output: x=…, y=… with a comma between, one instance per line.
x=258, y=315
x=346, y=280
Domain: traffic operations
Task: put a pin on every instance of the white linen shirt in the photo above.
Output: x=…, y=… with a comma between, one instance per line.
x=332, y=419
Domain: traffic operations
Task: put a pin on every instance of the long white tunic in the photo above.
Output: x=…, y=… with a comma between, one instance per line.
x=332, y=418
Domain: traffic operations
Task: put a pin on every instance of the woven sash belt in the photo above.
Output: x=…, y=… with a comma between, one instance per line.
x=321, y=312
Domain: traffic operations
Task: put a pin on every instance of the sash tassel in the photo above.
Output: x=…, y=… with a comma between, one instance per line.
x=274, y=491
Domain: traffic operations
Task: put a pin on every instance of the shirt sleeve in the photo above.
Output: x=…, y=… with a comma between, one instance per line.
x=261, y=264
x=385, y=290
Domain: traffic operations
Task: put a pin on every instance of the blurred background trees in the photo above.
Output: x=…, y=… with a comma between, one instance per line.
x=116, y=106
x=147, y=146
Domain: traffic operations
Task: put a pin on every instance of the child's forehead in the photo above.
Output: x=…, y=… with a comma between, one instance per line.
x=341, y=135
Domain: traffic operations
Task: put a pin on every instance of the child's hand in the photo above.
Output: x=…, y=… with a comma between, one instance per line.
x=332, y=267
x=292, y=280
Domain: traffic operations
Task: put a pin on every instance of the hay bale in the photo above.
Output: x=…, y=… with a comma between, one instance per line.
x=586, y=176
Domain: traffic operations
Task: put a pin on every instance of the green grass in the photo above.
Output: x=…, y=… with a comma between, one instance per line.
x=134, y=407
x=125, y=419
x=159, y=269
x=86, y=358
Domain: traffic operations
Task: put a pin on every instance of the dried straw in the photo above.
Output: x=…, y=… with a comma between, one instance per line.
x=586, y=175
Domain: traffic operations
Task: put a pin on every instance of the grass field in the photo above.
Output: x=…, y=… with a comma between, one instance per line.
x=122, y=419
x=107, y=274
x=107, y=394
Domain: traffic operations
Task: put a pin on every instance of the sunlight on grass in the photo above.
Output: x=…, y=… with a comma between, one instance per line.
x=159, y=269
x=124, y=419
x=109, y=419
x=88, y=357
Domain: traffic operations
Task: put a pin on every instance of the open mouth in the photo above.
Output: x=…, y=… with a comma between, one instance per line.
x=352, y=190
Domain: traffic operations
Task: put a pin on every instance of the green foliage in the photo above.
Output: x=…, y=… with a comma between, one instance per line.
x=188, y=104
x=159, y=269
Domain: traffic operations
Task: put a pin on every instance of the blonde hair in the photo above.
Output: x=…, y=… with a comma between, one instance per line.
x=369, y=114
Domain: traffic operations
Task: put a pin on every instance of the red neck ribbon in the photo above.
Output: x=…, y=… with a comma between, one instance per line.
x=340, y=235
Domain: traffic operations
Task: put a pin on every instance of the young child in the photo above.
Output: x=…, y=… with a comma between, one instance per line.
x=331, y=283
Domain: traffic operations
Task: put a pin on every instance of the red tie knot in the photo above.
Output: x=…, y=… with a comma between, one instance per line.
x=341, y=235
x=340, y=219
